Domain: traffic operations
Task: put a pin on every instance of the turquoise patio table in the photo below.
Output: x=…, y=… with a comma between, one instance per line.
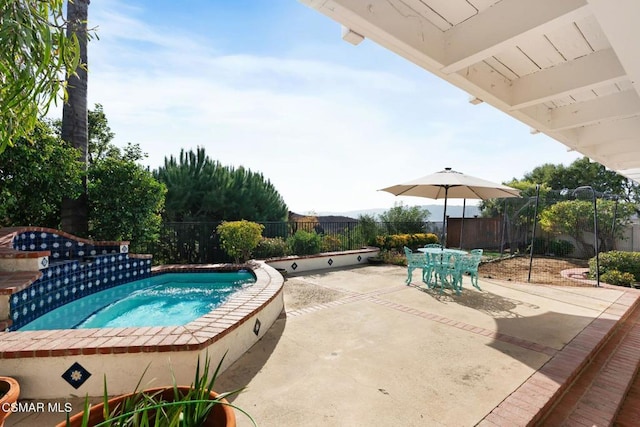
x=446, y=265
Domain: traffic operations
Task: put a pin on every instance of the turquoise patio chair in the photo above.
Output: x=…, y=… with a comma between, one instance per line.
x=415, y=260
x=433, y=245
x=447, y=270
x=430, y=273
x=470, y=266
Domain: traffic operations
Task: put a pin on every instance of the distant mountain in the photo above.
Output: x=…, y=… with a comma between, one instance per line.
x=454, y=211
x=326, y=218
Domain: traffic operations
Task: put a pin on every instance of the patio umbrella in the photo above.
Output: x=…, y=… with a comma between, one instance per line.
x=448, y=184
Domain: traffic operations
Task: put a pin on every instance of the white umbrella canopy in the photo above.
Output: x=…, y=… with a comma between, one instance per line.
x=453, y=185
x=450, y=184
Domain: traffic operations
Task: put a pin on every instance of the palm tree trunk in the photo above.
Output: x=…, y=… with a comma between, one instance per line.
x=75, y=212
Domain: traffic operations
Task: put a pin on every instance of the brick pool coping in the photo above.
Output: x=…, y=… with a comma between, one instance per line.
x=195, y=335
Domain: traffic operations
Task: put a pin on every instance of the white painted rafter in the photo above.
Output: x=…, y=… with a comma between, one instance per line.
x=631, y=173
x=605, y=133
x=389, y=23
x=503, y=25
x=578, y=87
x=612, y=107
x=351, y=36
x=621, y=159
x=619, y=19
x=618, y=149
x=590, y=71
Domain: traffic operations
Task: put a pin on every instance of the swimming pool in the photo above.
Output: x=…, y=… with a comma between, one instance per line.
x=169, y=299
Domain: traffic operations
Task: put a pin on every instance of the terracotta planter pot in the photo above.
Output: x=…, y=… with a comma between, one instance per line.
x=220, y=415
x=9, y=392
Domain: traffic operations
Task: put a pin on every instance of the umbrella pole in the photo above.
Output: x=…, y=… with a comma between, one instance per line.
x=443, y=242
x=464, y=205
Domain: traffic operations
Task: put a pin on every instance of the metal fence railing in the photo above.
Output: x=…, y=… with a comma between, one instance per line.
x=199, y=243
x=517, y=228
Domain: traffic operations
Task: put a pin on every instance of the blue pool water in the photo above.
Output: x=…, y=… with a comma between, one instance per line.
x=169, y=299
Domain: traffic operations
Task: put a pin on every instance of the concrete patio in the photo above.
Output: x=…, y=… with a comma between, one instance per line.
x=357, y=347
x=377, y=352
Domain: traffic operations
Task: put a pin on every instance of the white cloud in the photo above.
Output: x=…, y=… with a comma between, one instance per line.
x=328, y=135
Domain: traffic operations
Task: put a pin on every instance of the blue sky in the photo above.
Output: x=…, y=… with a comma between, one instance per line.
x=270, y=85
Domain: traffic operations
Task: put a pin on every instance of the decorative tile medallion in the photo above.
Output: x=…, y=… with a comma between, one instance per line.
x=76, y=375
x=330, y=262
x=256, y=327
x=294, y=266
x=359, y=258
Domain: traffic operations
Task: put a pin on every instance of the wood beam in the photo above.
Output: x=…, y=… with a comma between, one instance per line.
x=391, y=24
x=631, y=173
x=584, y=73
x=503, y=25
x=617, y=149
x=619, y=21
x=612, y=107
x=604, y=133
x=351, y=36
x=622, y=160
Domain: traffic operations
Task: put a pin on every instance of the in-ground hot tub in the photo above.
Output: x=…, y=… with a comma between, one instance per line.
x=168, y=299
x=61, y=362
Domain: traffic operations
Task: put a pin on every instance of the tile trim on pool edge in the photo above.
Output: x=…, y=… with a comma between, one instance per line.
x=195, y=335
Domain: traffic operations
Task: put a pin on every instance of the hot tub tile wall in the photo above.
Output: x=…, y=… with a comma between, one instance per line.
x=67, y=281
x=62, y=247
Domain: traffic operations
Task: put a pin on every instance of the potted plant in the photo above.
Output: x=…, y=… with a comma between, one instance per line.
x=196, y=405
x=9, y=392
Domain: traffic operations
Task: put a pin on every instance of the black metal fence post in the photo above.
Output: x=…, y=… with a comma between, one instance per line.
x=595, y=228
x=533, y=233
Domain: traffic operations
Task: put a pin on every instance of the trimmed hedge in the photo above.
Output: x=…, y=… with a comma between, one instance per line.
x=614, y=277
x=398, y=241
x=619, y=261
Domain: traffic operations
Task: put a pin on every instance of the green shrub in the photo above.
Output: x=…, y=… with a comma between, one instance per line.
x=304, y=243
x=239, y=238
x=624, y=262
x=271, y=247
x=398, y=241
x=560, y=247
x=614, y=277
x=331, y=243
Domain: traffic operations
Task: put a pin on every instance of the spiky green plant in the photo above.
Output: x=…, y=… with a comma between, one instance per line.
x=145, y=408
